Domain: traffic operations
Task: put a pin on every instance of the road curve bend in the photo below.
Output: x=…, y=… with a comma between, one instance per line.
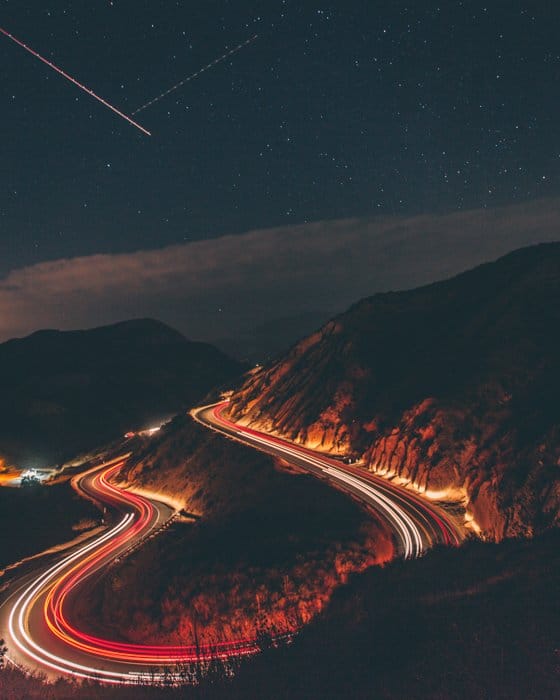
x=36, y=618
x=416, y=523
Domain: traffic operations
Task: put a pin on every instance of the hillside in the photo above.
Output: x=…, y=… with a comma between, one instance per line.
x=479, y=622
x=268, y=340
x=454, y=386
x=67, y=391
x=476, y=622
x=263, y=555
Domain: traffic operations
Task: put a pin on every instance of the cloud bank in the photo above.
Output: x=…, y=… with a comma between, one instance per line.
x=223, y=287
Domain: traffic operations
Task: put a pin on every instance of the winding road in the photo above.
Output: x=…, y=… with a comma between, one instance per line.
x=416, y=523
x=37, y=616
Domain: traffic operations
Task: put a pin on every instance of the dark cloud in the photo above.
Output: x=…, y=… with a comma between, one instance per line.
x=223, y=287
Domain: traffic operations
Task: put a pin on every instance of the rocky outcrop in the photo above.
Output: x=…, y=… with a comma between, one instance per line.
x=453, y=387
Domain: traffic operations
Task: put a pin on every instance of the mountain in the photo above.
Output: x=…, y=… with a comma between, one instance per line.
x=453, y=386
x=67, y=391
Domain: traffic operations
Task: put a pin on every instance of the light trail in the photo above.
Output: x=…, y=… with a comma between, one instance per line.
x=415, y=523
x=198, y=72
x=74, y=81
x=39, y=622
x=44, y=604
x=402, y=524
x=20, y=613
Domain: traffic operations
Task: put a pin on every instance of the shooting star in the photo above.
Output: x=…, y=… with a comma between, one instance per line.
x=198, y=72
x=73, y=80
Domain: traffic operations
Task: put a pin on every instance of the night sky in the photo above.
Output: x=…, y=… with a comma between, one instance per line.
x=337, y=111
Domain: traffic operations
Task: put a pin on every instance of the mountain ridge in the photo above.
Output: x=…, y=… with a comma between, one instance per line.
x=450, y=386
x=65, y=391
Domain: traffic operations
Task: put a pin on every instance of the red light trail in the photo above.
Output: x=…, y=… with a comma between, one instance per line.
x=74, y=81
x=416, y=523
x=45, y=603
x=134, y=653
x=39, y=619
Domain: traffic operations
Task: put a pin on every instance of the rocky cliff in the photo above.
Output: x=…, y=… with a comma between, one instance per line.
x=453, y=386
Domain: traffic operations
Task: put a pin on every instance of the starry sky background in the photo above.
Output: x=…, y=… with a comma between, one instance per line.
x=359, y=110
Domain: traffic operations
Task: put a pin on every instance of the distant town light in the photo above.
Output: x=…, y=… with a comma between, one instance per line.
x=30, y=474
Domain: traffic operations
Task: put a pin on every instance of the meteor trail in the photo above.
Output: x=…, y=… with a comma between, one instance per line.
x=198, y=72
x=73, y=80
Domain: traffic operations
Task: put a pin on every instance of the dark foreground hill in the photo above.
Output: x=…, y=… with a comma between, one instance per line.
x=469, y=624
x=475, y=623
x=67, y=391
x=454, y=386
x=264, y=552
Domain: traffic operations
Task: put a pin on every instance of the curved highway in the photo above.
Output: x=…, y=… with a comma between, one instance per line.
x=416, y=523
x=38, y=618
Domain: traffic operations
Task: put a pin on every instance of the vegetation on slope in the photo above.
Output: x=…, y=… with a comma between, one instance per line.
x=477, y=622
x=265, y=555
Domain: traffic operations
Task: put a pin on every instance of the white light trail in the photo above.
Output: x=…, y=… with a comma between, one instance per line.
x=198, y=72
x=411, y=537
x=409, y=534
x=52, y=586
x=18, y=615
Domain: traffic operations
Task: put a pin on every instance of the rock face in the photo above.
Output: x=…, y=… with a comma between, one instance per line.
x=67, y=391
x=453, y=386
